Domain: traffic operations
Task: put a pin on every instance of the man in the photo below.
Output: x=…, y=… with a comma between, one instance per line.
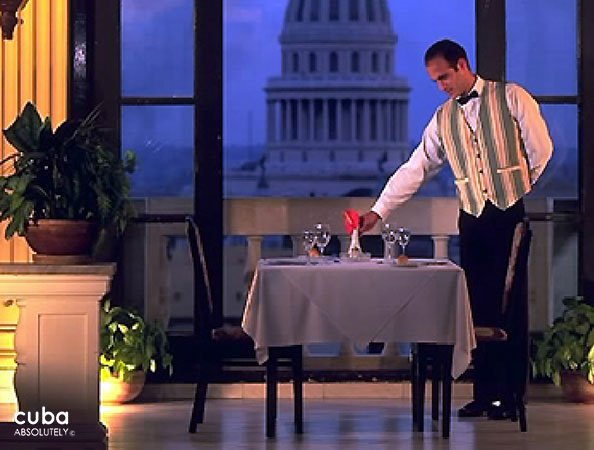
x=494, y=138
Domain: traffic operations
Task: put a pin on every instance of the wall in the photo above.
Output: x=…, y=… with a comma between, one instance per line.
x=33, y=67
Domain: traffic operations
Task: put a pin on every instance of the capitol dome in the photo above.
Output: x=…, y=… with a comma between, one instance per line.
x=337, y=115
x=339, y=21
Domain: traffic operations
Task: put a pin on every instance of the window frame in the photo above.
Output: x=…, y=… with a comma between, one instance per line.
x=103, y=87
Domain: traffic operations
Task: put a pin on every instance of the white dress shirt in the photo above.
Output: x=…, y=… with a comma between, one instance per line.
x=429, y=157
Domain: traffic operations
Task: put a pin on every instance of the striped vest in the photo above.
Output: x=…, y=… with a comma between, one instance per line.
x=489, y=163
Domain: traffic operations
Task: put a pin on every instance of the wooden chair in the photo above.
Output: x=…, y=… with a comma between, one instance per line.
x=228, y=345
x=511, y=332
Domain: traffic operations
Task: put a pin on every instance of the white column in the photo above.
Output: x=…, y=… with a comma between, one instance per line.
x=366, y=121
x=297, y=242
x=378, y=16
x=339, y=120
x=440, y=246
x=324, y=11
x=301, y=104
x=271, y=120
x=378, y=120
x=353, y=120
x=396, y=121
x=297, y=119
x=404, y=135
x=325, y=120
x=289, y=120
x=312, y=120
x=254, y=253
x=389, y=121
x=283, y=120
x=384, y=121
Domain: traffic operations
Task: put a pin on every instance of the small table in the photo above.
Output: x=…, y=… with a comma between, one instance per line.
x=291, y=302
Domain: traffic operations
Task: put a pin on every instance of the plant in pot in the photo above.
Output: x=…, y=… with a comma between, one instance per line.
x=62, y=187
x=566, y=351
x=130, y=347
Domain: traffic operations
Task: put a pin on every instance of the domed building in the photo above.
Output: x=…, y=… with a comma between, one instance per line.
x=337, y=116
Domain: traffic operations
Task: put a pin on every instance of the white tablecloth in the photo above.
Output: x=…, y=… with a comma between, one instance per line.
x=290, y=303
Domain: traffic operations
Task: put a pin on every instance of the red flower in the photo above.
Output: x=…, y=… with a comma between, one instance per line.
x=351, y=220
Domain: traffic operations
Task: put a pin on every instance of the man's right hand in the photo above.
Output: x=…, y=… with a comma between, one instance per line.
x=367, y=221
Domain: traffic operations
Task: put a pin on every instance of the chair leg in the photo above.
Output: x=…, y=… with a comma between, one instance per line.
x=422, y=378
x=435, y=385
x=199, y=399
x=414, y=384
x=271, y=392
x=446, y=371
x=522, y=414
x=297, y=365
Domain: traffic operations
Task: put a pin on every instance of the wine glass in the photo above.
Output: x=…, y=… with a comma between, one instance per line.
x=389, y=235
x=309, y=240
x=403, y=237
x=322, y=235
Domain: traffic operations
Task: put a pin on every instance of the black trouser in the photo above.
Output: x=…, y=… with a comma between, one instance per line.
x=485, y=245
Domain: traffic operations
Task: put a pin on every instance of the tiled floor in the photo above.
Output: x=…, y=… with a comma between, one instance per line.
x=338, y=424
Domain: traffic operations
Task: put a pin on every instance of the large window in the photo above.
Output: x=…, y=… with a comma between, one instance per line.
x=345, y=127
x=157, y=92
x=309, y=123
x=158, y=121
x=542, y=57
x=544, y=62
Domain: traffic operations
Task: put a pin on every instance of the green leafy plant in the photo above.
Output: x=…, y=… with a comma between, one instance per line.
x=69, y=173
x=129, y=344
x=568, y=345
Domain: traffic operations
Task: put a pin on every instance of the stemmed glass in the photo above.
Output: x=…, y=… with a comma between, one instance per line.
x=322, y=236
x=309, y=240
x=389, y=235
x=403, y=237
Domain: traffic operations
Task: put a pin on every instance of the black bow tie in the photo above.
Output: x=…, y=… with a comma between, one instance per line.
x=463, y=99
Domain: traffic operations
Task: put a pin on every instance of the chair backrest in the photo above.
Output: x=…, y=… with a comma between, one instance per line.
x=203, y=304
x=514, y=304
x=517, y=271
x=515, y=317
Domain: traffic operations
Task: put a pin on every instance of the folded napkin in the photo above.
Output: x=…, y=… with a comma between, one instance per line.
x=351, y=220
x=351, y=224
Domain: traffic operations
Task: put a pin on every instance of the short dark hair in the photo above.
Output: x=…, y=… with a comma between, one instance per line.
x=449, y=50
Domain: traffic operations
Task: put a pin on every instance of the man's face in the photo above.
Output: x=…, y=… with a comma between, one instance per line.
x=451, y=80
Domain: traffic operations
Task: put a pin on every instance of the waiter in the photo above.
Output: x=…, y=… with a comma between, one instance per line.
x=495, y=140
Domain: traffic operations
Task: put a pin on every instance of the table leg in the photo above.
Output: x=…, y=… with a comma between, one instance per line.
x=271, y=392
x=446, y=358
x=436, y=377
x=297, y=363
x=414, y=382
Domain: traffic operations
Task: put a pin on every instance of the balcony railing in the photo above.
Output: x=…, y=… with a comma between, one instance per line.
x=149, y=253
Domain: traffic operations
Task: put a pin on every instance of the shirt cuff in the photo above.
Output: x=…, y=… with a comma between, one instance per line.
x=381, y=212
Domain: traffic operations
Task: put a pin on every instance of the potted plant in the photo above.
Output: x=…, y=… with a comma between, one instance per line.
x=566, y=351
x=65, y=181
x=129, y=348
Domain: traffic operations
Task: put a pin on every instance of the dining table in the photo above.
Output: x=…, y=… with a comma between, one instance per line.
x=300, y=300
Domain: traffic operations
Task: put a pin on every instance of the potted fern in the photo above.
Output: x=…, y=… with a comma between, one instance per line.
x=566, y=352
x=130, y=347
x=61, y=187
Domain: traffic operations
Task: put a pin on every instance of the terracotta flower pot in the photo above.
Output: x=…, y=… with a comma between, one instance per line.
x=61, y=241
x=576, y=388
x=115, y=391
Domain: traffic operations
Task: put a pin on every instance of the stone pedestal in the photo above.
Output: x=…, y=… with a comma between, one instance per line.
x=57, y=343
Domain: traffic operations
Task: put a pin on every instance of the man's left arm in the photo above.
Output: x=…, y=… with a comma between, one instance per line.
x=535, y=134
